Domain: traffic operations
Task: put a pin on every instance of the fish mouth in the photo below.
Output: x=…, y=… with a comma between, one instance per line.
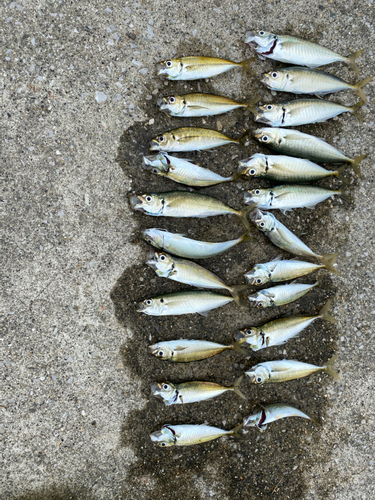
x=140, y=307
x=155, y=436
x=258, y=134
x=249, y=38
x=153, y=263
x=136, y=203
x=154, y=145
x=251, y=376
x=162, y=102
x=147, y=161
x=254, y=215
x=155, y=390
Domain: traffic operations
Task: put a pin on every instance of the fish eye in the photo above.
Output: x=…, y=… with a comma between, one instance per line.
x=168, y=64
x=161, y=138
x=262, y=224
x=265, y=138
x=165, y=387
x=172, y=100
x=252, y=171
x=275, y=74
x=261, y=33
x=161, y=353
x=259, y=380
x=148, y=302
x=155, y=171
x=148, y=199
x=257, y=191
x=260, y=304
x=163, y=258
x=269, y=107
x=258, y=281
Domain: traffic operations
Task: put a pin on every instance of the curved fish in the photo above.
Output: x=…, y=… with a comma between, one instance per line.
x=271, y=413
x=187, y=435
x=280, y=295
x=185, y=351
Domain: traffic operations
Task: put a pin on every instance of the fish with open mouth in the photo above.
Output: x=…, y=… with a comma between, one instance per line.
x=296, y=143
x=192, y=392
x=187, y=435
x=189, y=273
x=185, y=204
x=195, y=105
x=285, y=239
x=310, y=81
x=195, y=67
x=184, y=171
x=296, y=50
x=186, y=351
x=284, y=168
x=302, y=112
x=280, y=295
x=279, y=331
x=180, y=245
x=271, y=413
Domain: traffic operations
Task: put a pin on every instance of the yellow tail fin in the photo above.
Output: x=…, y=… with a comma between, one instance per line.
x=350, y=60
x=328, y=260
x=324, y=314
x=355, y=162
x=248, y=64
x=358, y=88
x=329, y=368
x=236, y=388
x=236, y=291
x=354, y=109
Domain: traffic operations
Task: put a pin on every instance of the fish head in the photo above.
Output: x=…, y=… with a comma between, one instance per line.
x=161, y=262
x=253, y=336
x=256, y=196
x=259, y=375
x=153, y=307
x=163, y=142
x=172, y=105
x=259, y=275
x=154, y=237
x=268, y=136
x=151, y=203
x=259, y=39
x=164, y=390
x=260, y=300
x=164, y=437
x=161, y=350
x=171, y=68
x=270, y=113
x=253, y=420
x=264, y=221
x=158, y=164
x=276, y=80
x=256, y=166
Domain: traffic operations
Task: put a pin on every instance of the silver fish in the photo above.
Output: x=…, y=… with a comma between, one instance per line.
x=289, y=196
x=279, y=331
x=189, y=273
x=195, y=67
x=185, y=351
x=280, y=295
x=184, y=171
x=192, y=392
x=310, y=81
x=302, y=112
x=185, y=204
x=271, y=413
x=302, y=145
x=283, y=168
x=285, y=239
x=187, y=435
x=188, y=302
x=296, y=50
x=280, y=270
x=179, y=245
x=283, y=370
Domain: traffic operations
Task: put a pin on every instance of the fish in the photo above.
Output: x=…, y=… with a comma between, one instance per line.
x=192, y=392
x=280, y=270
x=284, y=370
x=184, y=171
x=185, y=204
x=284, y=168
x=185, y=351
x=186, y=302
x=187, y=435
x=285, y=239
x=189, y=273
x=296, y=143
x=280, y=295
x=289, y=196
x=279, y=331
x=271, y=413
x=310, y=81
x=192, y=139
x=296, y=50
x=181, y=246
x=195, y=105
x=302, y=112
x=196, y=68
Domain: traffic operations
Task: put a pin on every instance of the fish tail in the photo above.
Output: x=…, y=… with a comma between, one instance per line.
x=342, y=192
x=324, y=314
x=329, y=368
x=247, y=237
x=350, y=60
x=339, y=175
x=329, y=260
x=237, y=174
x=245, y=216
x=358, y=88
x=315, y=421
x=236, y=387
x=354, y=110
x=250, y=106
x=235, y=291
x=355, y=162
x=248, y=64
x=237, y=347
x=235, y=432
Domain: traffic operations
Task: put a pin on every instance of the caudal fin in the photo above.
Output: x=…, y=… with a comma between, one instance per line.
x=324, y=314
x=328, y=260
x=354, y=109
x=358, y=88
x=329, y=368
x=235, y=432
x=342, y=192
x=236, y=387
x=245, y=216
x=350, y=60
x=247, y=237
x=248, y=64
x=338, y=173
x=237, y=347
x=355, y=162
x=236, y=291
x=250, y=106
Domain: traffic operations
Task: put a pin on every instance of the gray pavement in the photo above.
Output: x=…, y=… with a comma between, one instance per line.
x=78, y=108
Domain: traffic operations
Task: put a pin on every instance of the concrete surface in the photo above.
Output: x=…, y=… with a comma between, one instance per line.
x=76, y=410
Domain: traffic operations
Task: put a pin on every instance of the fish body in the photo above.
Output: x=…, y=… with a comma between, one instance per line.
x=285, y=239
x=195, y=68
x=295, y=143
x=187, y=435
x=271, y=413
x=287, y=197
x=296, y=50
x=302, y=112
x=185, y=351
x=188, y=302
x=178, y=244
x=279, y=295
x=190, y=139
x=279, y=331
x=283, y=168
x=195, y=105
x=310, y=81
x=184, y=171
x=280, y=270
